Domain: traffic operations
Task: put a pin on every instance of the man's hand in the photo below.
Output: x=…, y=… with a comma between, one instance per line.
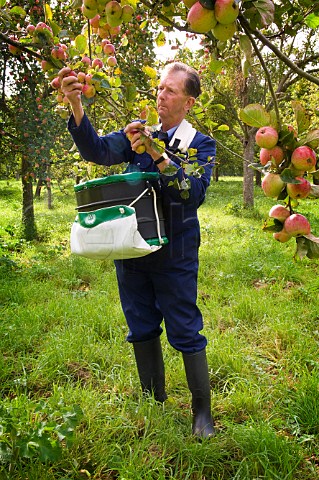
x=141, y=141
x=72, y=90
x=138, y=136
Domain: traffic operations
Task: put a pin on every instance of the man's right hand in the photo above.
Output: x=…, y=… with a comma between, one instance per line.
x=72, y=90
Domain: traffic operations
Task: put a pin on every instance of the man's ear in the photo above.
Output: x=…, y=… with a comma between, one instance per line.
x=190, y=102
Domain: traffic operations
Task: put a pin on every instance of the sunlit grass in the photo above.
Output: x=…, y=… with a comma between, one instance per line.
x=63, y=336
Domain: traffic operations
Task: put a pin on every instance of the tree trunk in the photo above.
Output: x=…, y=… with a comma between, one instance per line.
x=248, y=184
x=37, y=192
x=28, y=219
x=49, y=188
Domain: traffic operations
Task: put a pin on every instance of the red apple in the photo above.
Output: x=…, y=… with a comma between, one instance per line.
x=279, y=213
x=282, y=236
x=303, y=158
x=266, y=137
x=201, y=19
x=88, y=90
x=274, y=155
x=297, y=224
x=97, y=63
x=299, y=190
x=109, y=49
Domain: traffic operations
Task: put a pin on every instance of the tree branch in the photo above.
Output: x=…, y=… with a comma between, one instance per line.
x=264, y=66
x=277, y=52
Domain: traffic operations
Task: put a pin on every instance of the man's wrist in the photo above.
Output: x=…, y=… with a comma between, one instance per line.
x=161, y=159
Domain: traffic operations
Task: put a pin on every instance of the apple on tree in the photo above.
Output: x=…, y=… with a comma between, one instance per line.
x=299, y=190
x=303, y=158
x=272, y=184
x=274, y=155
x=266, y=137
x=201, y=19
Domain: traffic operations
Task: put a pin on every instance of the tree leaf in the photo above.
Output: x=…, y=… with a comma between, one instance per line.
x=312, y=139
x=245, y=46
x=255, y=115
x=47, y=12
x=81, y=43
x=18, y=11
x=266, y=10
x=160, y=39
x=150, y=72
x=216, y=66
x=303, y=118
x=312, y=20
x=223, y=128
x=288, y=177
x=207, y=4
x=307, y=245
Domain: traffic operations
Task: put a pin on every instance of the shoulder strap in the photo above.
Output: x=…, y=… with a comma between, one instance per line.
x=184, y=135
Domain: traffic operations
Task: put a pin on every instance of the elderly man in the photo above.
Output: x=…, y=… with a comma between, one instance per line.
x=163, y=285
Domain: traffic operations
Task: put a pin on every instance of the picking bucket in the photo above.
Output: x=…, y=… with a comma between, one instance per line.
x=138, y=189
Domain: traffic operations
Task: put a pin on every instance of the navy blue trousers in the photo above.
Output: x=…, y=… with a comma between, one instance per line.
x=161, y=287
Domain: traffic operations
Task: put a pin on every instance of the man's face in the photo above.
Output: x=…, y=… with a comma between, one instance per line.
x=172, y=101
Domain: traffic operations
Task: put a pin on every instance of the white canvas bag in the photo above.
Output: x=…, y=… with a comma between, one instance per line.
x=111, y=233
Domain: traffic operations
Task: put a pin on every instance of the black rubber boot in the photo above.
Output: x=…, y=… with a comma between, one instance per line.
x=150, y=366
x=196, y=369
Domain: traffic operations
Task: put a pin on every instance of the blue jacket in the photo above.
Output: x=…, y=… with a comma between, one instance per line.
x=180, y=214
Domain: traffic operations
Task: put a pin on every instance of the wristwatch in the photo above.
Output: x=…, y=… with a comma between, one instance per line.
x=161, y=159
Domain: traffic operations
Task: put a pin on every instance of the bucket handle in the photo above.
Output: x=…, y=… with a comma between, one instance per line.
x=160, y=239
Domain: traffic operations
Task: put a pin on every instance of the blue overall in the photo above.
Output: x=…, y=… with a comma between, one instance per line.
x=162, y=285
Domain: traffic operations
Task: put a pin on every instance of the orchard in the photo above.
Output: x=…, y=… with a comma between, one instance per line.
x=96, y=40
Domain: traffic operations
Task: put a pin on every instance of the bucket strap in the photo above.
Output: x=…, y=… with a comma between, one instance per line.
x=160, y=239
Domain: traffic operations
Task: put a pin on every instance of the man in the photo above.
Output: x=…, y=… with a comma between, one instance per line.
x=162, y=285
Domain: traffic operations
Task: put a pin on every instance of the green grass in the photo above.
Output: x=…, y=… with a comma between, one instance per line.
x=62, y=338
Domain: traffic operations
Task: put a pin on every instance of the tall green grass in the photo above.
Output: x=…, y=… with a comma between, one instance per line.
x=63, y=341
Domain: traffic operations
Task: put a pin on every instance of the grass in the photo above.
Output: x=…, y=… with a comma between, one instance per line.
x=62, y=338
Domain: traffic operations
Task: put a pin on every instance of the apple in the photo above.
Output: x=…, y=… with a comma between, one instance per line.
x=46, y=66
x=140, y=149
x=114, y=21
x=86, y=60
x=113, y=9
x=226, y=11
x=95, y=21
x=88, y=78
x=201, y=19
x=88, y=13
x=81, y=77
x=109, y=49
x=297, y=224
x=274, y=155
x=111, y=61
x=272, y=185
x=115, y=30
x=224, y=32
x=303, y=158
x=56, y=83
x=266, y=137
x=97, y=63
x=299, y=190
x=12, y=49
x=279, y=213
x=30, y=29
x=282, y=236
x=58, y=53
x=88, y=90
